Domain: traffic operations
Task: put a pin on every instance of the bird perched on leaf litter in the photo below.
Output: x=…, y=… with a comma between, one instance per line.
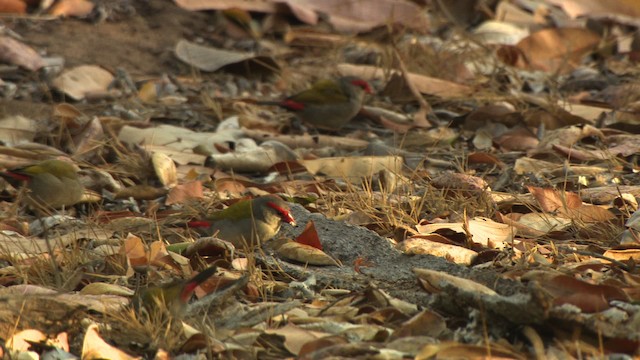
x=328, y=104
x=172, y=297
x=52, y=184
x=249, y=222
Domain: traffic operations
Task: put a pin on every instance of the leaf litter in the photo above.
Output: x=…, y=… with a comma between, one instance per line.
x=482, y=204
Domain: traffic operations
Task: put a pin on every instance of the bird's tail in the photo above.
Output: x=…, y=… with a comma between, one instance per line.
x=193, y=283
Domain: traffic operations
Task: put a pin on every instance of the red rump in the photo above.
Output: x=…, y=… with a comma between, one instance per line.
x=18, y=176
x=293, y=105
x=199, y=224
x=185, y=295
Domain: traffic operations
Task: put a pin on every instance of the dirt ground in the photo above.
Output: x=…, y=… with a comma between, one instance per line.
x=140, y=42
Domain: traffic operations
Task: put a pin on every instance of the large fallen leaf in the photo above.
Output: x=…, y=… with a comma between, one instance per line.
x=500, y=32
x=556, y=49
x=569, y=290
x=182, y=193
x=165, y=169
x=484, y=231
x=623, y=254
x=31, y=296
x=94, y=347
x=78, y=8
x=629, y=9
x=424, y=84
x=358, y=16
x=253, y=159
x=22, y=340
x=353, y=166
x=83, y=80
x=211, y=59
x=569, y=205
x=424, y=323
x=453, y=253
x=14, y=52
x=552, y=200
x=13, y=6
x=436, y=281
x=544, y=223
x=175, y=137
x=460, y=182
x=295, y=337
x=527, y=165
x=305, y=254
x=100, y=288
x=455, y=350
x=17, y=129
x=89, y=141
x=134, y=250
x=309, y=236
x=15, y=245
x=248, y=5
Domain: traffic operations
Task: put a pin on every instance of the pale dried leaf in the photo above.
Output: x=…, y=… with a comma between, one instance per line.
x=295, y=337
x=305, y=254
x=211, y=59
x=99, y=288
x=453, y=253
x=17, y=129
x=438, y=280
x=21, y=340
x=14, y=52
x=94, y=347
x=83, y=80
x=165, y=169
x=77, y=8
x=353, y=166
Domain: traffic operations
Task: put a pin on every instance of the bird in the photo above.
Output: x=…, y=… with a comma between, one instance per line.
x=327, y=104
x=250, y=222
x=52, y=184
x=172, y=297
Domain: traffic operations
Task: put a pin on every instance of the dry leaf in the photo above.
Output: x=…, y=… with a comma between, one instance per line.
x=556, y=49
x=305, y=254
x=425, y=84
x=454, y=253
x=94, y=347
x=437, y=280
x=353, y=166
x=99, y=288
x=77, y=8
x=21, y=341
x=83, y=80
x=185, y=192
x=134, y=250
x=358, y=17
x=212, y=59
x=484, y=231
x=309, y=236
x=17, y=129
x=14, y=52
x=165, y=169
x=295, y=337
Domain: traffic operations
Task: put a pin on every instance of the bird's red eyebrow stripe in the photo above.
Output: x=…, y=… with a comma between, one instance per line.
x=363, y=84
x=286, y=215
